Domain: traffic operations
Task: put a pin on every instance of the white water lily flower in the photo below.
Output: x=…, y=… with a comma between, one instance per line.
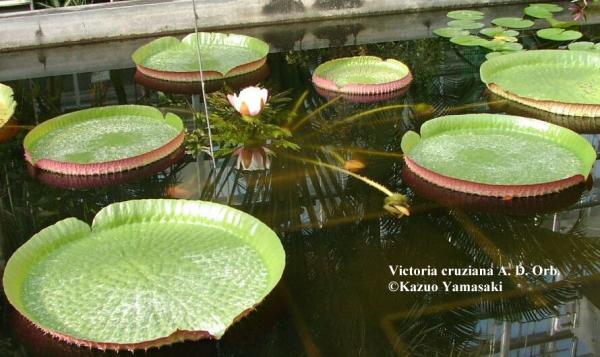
x=250, y=101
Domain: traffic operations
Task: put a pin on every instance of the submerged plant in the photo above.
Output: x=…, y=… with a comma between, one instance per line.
x=249, y=124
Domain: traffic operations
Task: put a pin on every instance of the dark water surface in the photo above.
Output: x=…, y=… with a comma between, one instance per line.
x=335, y=298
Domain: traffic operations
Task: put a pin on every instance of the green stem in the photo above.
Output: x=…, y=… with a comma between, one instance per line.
x=368, y=181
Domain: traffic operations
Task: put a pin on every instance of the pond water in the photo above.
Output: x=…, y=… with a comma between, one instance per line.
x=342, y=248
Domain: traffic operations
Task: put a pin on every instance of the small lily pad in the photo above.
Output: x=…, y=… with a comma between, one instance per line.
x=468, y=40
x=491, y=31
x=465, y=24
x=512, y=22
x=549, y=7
x=561, y=24
x=465, y=15
x=498, y=31
x=557, y=34
x=497, y=45
x=450, y=32
x=584, y=46
x=538, y=12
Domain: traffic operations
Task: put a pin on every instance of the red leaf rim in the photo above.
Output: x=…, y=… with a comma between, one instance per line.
x=195, y=87
x=569, y=109
x=483, y=189
x=516, y=206
x=90, y=181
x=362, y=89
x=363, y=98
x=70, y=168
x=194, y=76
x=583, y=125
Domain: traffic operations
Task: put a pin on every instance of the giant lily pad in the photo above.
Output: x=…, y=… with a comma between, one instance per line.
x=7, y=104
x=103, y=140
x=146, y=273
x=223, y=55
x=559, y=34
x=362, y=75
x=498, y=155
x=557, y=81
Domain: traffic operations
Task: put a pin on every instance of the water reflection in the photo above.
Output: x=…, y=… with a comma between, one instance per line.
x=334, y=298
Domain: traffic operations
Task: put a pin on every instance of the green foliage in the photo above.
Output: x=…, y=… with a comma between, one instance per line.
x=558, y=34
x=270, y=127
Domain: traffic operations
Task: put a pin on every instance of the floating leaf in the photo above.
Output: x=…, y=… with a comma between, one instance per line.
x=557, y=34
x=561, y=24
x=538, y=12
x=362, y=75
x=499, y=155
x=498, y=45
x=557, y=81
x=498, y=31
x=146, y=273
x=492, y=31
x=584, y=46
x=103, y=140
x=225, y=55
x=549, y=7
x=450, y=32
x=468, y=40
x=465, y=15
x=512, y=22
x=465, y=24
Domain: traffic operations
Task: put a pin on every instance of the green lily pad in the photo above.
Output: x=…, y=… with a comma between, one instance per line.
x=549, y=7
x=561, y=24
x=561, y=82
x=557, y=34
x=362, y=75
x=223, y=55
x=103, y=140
x=465, y=15
x=465, y=24
x=496, y=45
x=542, y=11
x=513, y=22
x=493, y=154
x=468, y=40
x=498, y=31
x=7, y=104
x=538, y=12
x=450, y=32
x=146, y=273
x=583, y=46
